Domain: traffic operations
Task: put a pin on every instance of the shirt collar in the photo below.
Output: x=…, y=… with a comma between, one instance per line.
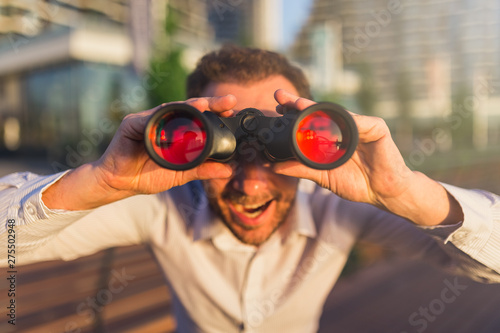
x=300, y=219
x=207, y=225
x=204, y=223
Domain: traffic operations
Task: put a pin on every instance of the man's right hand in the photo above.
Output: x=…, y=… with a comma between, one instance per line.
x=125, y=169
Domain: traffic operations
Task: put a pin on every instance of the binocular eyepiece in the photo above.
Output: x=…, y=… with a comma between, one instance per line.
x=179, y=137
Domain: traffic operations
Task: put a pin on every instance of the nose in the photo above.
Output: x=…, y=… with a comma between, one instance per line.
x=251, y=179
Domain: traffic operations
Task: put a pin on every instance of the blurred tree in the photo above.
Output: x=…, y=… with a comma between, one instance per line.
x=168, y=61
x=331, y=96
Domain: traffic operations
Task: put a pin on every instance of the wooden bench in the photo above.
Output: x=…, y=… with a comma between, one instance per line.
x=117, y=290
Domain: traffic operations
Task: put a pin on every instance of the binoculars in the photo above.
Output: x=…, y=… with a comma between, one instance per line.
x=179, y=137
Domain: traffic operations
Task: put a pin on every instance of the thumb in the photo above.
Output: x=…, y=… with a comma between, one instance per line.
x=208, y=170
x=297, y=170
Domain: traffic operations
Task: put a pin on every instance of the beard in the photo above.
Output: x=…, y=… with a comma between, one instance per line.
x=249, y=234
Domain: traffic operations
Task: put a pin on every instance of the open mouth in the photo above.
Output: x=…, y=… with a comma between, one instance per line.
x=252, y=214
x=252, y=211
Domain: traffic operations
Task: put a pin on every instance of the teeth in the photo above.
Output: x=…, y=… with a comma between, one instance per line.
x=251, y=214
x=251, y=211
x=254, y=206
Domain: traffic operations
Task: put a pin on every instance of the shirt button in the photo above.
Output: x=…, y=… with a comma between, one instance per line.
x=30, y=209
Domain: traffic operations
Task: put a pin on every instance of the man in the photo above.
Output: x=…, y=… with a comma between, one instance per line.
x=250, y=247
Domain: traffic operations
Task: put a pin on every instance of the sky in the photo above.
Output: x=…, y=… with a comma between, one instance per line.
x=295, y=13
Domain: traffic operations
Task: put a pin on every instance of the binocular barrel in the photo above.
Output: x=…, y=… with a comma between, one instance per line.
x=179, y=137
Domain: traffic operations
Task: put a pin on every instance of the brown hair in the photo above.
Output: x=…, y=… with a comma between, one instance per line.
x=242, y=65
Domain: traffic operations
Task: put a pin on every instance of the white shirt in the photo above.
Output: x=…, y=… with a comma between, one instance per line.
x=219, y=284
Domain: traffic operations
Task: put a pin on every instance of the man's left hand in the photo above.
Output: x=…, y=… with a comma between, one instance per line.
x=376, y=174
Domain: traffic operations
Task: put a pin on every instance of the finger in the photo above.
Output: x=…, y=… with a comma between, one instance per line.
x=146, y=113
x=208, y=170
x=289, y=100
x=297, y=170
x=222, y=103
x=134, y=124
x=371, y=129
x=218, y=104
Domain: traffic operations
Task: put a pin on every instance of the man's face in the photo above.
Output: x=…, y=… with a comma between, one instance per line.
x=254, y=201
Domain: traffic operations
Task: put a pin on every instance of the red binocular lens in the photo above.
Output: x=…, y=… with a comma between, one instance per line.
x=324, y=136
x=179, y=137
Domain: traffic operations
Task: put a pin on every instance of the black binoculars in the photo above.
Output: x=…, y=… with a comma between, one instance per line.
x=179, y=137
